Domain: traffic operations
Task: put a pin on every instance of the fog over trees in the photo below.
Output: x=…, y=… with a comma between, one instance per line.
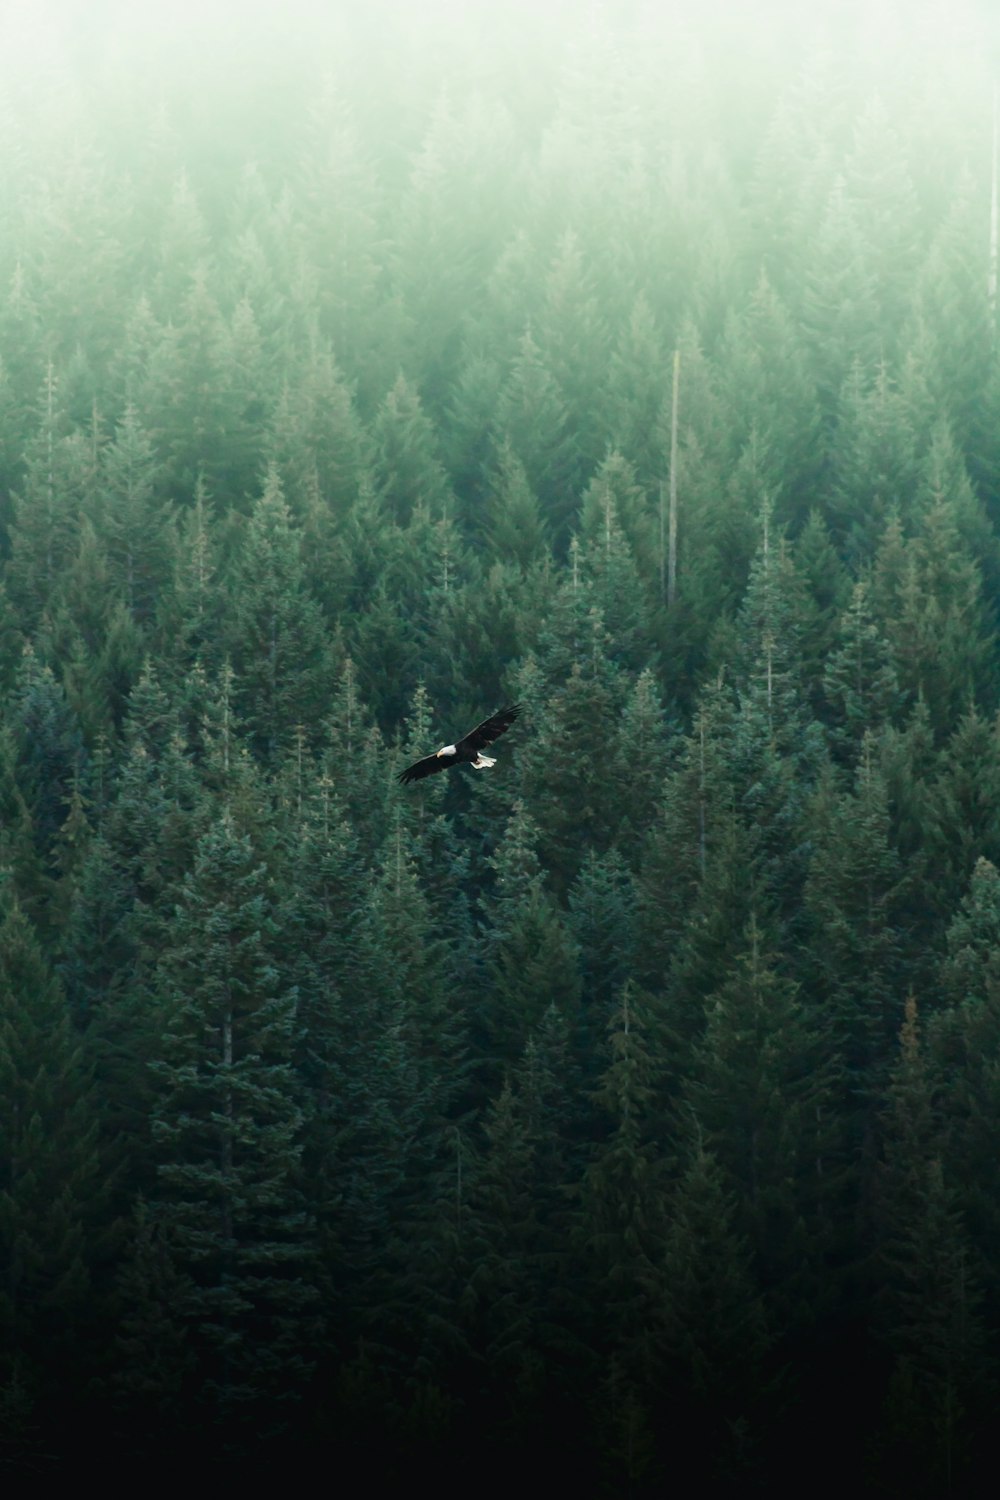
x=630, y=1109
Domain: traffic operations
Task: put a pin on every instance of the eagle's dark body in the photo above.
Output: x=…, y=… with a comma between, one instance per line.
x=466, y=751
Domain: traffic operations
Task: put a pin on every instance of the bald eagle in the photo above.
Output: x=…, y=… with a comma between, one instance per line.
x=466, y=751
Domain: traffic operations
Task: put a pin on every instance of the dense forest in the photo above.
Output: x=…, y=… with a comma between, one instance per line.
x=630, y=1109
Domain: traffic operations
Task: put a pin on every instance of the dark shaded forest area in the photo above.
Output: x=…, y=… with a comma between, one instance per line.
x=632, y=1108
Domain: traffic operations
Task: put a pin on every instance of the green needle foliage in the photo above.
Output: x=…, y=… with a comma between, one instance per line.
x=363, y=371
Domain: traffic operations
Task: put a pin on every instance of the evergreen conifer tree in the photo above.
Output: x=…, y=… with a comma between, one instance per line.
x=227, y=1130
x=50, y=1192
x=939, y=1385
x=624, y=1196
x=276, y=638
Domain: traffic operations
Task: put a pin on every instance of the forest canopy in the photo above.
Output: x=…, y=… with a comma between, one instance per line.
x=628, y=1107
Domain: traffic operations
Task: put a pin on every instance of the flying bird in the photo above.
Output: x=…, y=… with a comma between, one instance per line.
x=467, y=751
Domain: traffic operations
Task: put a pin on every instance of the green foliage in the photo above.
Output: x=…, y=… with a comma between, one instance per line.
x=276, y=638
x=50, y=1192
x=860, y=683
x=134, y=520
x=940, y=1386
x=624, y=1191
x=532, y=958
x=550, y=1119
x=854, y=897
x=227, y=1131
x=714, y=1322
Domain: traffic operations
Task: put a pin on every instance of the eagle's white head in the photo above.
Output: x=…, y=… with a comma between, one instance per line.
x=446, y=750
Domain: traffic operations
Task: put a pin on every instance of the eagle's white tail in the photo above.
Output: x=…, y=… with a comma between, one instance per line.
x=482, y=761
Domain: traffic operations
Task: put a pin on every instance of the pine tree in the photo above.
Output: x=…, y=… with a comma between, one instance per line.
x=874, y=457
x=58, y=485
x=572, y=339
x=859, y=681
x=316, y=438
x=762, y=1090
x=710, y=935
x=401, y=928
x=154, y=1355
x=533, y=415
x=515, y=529
x=944, y=483
x=24, y=364
x=962, y=1063
x=501, y=1225
x=389, y=653
x=184, y=401
x=408, y=471
x=710, y=1323
x=340, y=202
x=49, y=750
x=970, y=970
x=929, y=594
x=324, y=890
x=967, y=827
x=188, y=614
x=353, y=759
x=826, y=589
x=776, y=750
x=939, y=1387
x=11, y=642
x=403, y=1081
x=96, y=948
x=880, y=188
x=839, y=303
x=624, y=1195
x=790, y=179
x=275, y=632
x=245, y=396
x=615, y=551
x=695, y=816
x=853, y=895
x=451, y=221
x=769, y=395
x=227, y=1129
x=135, y=520
x=516, y=1226
x=638, y=379
x=641, y=758
x=951, y=318
x=918, y=808
x=92, y=635
x=531, y=958
x=50, y=1193
x=476, y=630
x=572, y=796
x=183, y=246
x=155, y=816
x=24, y=869
x=469, y=441
x=600, y=920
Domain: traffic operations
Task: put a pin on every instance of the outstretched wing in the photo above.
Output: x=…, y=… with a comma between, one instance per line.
x=489, y=730
x=426, y=767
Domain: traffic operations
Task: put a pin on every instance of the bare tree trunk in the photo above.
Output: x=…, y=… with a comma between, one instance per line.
x=663, y=540
x=992, y=279
x=672, y=525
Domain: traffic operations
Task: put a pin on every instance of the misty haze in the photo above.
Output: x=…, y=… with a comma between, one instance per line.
x=617, y=1114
